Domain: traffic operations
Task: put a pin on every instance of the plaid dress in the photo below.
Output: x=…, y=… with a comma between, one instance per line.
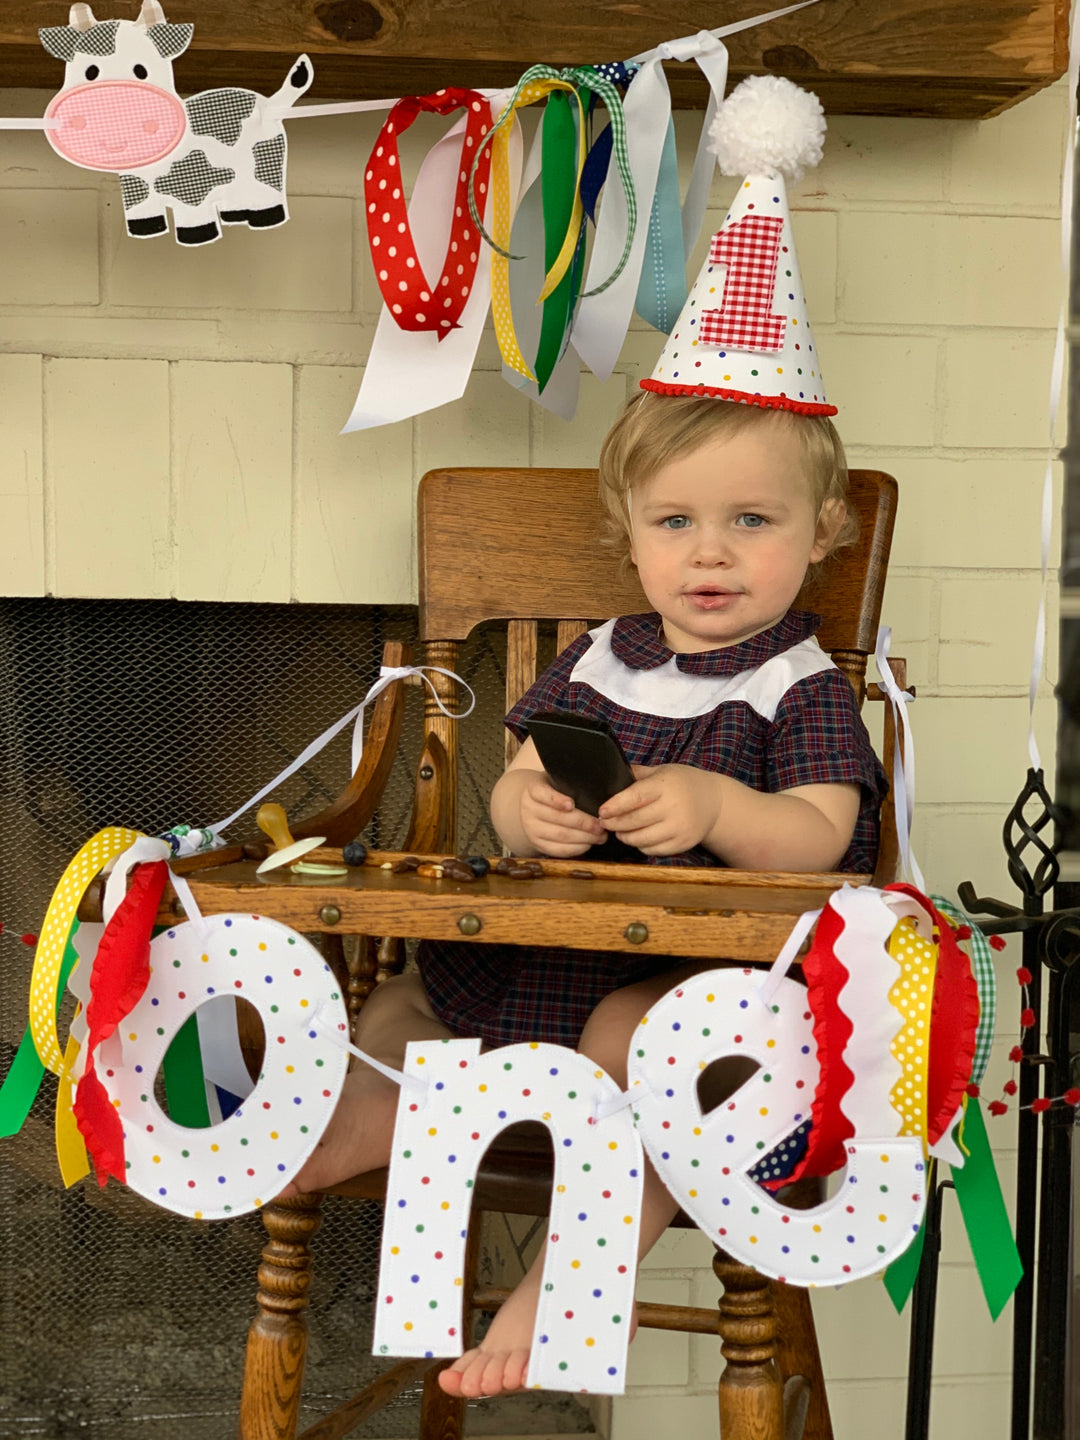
x=787, y=717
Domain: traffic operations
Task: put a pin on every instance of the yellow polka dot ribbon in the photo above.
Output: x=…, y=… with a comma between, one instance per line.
x=912, y=995
x=536, y=84
x=45, y=980
x=52, y=938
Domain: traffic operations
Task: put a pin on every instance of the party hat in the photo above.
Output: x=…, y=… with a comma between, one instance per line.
x=743, y=333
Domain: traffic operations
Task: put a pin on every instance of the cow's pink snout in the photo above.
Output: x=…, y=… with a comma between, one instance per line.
x=117, y=125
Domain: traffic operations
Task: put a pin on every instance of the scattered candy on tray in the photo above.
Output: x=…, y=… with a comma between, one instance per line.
x=355, y=853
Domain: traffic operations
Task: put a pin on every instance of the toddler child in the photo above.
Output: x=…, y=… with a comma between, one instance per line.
x=747, y=749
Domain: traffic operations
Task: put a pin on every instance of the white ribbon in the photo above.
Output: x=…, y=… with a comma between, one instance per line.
x=1057, y=373
x=903, y=778
x=30, y=123
x=784, y=961
x=399, y=1077
x=411, y=371
x=603, y=319
x=387, y=674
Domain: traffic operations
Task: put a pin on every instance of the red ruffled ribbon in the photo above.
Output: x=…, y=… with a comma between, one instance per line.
x=119, y=977
x=414, y=303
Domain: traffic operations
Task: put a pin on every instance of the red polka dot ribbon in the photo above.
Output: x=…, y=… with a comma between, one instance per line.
x=415, y=303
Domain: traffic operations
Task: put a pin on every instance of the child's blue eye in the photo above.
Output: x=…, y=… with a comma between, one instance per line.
x=675, y=522
x=751, y=522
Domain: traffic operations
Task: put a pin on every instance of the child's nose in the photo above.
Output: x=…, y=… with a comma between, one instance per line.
x=713, y=548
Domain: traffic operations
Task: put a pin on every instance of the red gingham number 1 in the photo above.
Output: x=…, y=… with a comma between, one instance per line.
x=750, y=249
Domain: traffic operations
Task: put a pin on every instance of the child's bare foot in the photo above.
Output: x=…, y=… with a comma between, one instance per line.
x=358, y=1137
x=500, y=1363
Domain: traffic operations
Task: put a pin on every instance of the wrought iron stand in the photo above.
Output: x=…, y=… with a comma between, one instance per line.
x=1051, y=940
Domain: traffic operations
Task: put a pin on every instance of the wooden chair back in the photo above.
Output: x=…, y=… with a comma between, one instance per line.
x=521, y=545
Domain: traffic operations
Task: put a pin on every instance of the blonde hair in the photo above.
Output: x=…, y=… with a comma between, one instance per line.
x=655, y=429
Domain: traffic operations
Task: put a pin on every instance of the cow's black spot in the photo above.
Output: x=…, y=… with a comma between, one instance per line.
x=141, y=72
x=191, y=180
x=92, y=72
x=269, y=157
x=299, y=77
x=220, y=113
x=133, y=190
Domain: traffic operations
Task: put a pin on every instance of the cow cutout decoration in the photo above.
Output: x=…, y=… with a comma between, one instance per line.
x=215, y=159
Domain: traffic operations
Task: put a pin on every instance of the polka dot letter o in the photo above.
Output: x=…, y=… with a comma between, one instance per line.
x=238, y=1165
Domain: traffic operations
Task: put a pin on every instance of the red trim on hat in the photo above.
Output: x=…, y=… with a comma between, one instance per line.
x=767, y=402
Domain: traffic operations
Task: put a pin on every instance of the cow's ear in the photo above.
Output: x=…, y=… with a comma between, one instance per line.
x=171, y=40
x=59, y=41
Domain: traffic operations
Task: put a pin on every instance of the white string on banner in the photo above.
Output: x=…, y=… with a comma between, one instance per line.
x=903, y=777
x=387, y=674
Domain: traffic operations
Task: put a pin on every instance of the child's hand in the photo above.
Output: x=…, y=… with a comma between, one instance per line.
x=553, y=825
x=668, y=809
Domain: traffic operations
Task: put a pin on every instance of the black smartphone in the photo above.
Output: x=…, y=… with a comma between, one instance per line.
x=584, y=760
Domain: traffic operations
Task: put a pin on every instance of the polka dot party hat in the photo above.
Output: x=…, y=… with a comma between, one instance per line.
x=743, y=333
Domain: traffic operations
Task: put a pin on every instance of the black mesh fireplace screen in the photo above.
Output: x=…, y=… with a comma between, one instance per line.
x=119, y=1320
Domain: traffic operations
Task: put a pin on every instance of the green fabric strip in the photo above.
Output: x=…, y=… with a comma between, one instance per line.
x=20, y=1088
x=986, y=1220
x=982, y=965
x=185, y=1088
x=901, y=1275
x=558, y=177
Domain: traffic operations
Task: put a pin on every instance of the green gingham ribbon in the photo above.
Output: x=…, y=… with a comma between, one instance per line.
x=982, y=964
x=589, y=78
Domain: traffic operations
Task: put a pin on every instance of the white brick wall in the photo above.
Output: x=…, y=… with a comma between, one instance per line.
x=156, y=403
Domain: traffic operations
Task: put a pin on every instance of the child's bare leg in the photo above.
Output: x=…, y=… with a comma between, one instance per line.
x=360, y=1132
x=500, y=1361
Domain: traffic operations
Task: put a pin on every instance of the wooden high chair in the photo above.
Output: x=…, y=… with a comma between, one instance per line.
x=521, y=545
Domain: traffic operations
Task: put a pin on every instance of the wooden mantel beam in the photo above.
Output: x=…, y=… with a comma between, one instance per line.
x=878, y=57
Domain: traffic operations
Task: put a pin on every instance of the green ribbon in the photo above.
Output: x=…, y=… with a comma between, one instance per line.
x=19, y=1090
x=982, y=1207
x=185, y=1087
x=986, y=1220
x=901, y=1275
x=585, y=77
x=558, y=176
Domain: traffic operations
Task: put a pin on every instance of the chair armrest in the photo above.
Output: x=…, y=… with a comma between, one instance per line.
x=343, y=820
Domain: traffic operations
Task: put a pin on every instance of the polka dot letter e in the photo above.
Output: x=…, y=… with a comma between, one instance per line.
x=703, y=1160
x=442, y=1131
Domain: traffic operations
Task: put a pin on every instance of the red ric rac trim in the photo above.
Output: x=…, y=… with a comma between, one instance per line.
x=743, y=397
x=825, y=977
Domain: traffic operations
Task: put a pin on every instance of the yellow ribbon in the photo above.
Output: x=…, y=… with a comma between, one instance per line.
x=912, y=995
x=529, y=94
x=45, y=977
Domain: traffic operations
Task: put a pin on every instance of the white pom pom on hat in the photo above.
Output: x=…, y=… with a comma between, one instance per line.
x=768, y=126
x=744, y=334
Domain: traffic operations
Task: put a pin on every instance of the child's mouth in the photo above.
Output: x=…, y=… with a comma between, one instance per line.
x=708, y=597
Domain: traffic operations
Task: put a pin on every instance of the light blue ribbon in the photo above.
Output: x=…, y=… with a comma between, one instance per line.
x=662, y=291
